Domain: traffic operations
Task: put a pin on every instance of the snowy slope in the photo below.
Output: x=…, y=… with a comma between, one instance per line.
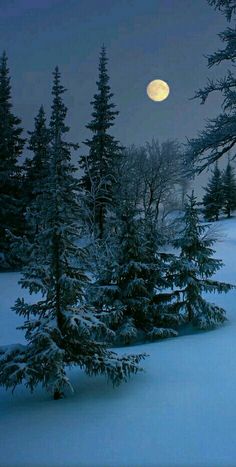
x=180, y=412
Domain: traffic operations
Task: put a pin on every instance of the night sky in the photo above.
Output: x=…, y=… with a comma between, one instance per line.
x=145, y=40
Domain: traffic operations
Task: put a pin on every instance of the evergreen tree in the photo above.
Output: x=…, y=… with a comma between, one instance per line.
x=37, y=167
x=123, y=286
x=227, y=6
x=219, y=135
x=11, y=146
x=60, y=329
x=194, y=269
x=229, y=190
x=100, y=165
x=134, y=273
x=213, y=199
x=164, y=317
x=130, y=286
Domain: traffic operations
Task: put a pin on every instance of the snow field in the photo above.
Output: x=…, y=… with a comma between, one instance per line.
x=180, y=412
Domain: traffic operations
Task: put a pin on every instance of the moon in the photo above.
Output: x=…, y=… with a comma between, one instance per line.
x=158, y=90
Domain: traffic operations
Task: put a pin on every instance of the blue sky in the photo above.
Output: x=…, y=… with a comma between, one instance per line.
x=145, y=39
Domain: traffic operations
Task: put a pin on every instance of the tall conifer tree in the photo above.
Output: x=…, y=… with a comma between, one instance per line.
x=219, y=135
x=100, y=165
x=213, y=199
x=37, y=167
x=194, y=269
x=229, y=190
x=11, y=146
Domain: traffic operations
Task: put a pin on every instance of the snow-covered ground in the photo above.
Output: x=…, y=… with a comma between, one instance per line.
x=180, y=412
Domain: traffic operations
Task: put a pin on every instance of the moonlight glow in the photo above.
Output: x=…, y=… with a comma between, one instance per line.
x=158, y=90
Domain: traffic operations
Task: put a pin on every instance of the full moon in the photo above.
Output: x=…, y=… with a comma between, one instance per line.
x=158, y=90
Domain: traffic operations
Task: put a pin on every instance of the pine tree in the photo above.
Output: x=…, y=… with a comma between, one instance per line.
x=60, y=329
x=219, y=135
x=131, y=283
x=227, y=6
x=134, y=274
x=229, y=190
x=11, y=146
x=213, y=199
x=164, y=317
x=100, y=165
x=194, y=269
x=123, y=285
x=37, y=167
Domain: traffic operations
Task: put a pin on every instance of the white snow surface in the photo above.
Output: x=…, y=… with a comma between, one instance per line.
x=180, y=412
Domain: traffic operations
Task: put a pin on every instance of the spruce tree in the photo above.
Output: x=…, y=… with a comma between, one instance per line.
x=131, y=285
x=229, y=190
x=164, y=317
x=37, y=167
x=123, y=285
x=100, y=165
x=227, y=6
x=213, y=199
x=59, y=328
x=11, y=146
x=219, y=135
x=134, y=272
x=194, y=269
